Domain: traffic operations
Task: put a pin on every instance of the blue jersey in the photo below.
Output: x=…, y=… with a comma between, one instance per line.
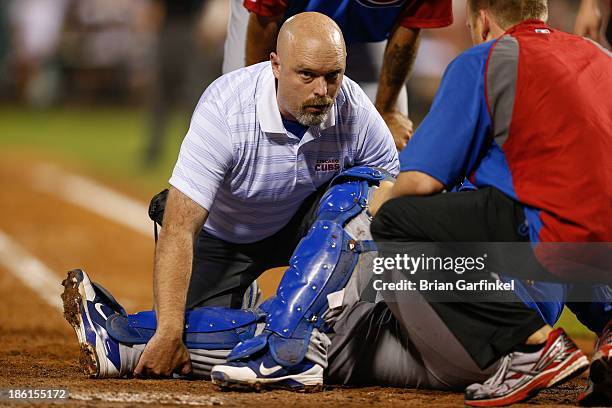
x=364, y=20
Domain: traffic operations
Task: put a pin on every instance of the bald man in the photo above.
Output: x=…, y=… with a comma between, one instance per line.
x=263, y=144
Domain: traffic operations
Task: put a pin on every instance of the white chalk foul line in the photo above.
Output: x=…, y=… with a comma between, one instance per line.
x=30, y=271
x=147, y=398
x=94, y=197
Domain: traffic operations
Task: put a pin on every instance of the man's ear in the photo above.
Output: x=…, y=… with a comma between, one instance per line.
x=485, y=24
x=276, y=66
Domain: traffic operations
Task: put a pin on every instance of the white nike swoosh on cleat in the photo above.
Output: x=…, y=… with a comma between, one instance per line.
x=98, y=307
x=267, y=371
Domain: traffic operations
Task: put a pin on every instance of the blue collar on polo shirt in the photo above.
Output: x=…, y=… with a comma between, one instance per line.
x=295, y=128
x=269, y=116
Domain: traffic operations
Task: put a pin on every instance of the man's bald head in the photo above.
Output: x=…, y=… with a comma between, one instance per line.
x=309, y=65
x=309, y=30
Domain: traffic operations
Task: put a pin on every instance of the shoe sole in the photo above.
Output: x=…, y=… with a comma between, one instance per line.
x=576, y=365
x=74, y=309
x=303, y=384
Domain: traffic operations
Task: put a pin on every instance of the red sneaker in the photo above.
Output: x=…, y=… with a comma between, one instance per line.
x=521, y=376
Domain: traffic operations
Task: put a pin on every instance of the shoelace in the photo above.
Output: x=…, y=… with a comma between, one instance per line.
x=499, y=376
x=506, y=367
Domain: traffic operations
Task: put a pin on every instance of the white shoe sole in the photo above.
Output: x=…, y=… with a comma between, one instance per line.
x=311, y=380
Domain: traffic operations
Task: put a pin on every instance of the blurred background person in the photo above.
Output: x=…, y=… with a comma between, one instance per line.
x=102, y=51
x=4, y=44
x=36, y=27
x=235, y=39
x=589, y=21
x=177, y=59
x=186, y=60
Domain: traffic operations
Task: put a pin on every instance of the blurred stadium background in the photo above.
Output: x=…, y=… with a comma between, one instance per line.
x=80, y=80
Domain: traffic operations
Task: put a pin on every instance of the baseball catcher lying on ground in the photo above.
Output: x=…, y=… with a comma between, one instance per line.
x=326, y=321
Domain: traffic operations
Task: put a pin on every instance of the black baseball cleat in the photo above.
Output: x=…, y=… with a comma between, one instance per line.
x=599, y=388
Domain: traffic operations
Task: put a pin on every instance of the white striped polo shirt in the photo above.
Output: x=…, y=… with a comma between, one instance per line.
x=238, y=161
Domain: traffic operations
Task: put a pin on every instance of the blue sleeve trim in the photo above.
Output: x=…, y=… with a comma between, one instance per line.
x=454, y=133
x=427, y=169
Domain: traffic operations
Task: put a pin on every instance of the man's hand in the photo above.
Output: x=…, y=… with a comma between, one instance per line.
x=400, y=127
x=163, y=355
x=588, y=21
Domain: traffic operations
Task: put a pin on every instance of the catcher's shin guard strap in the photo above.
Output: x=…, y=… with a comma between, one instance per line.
x=371, y=174
x=211, y=328
x=348, y=194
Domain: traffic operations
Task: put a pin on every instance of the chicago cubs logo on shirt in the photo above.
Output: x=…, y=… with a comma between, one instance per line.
x=323, y=165
x=380, y=3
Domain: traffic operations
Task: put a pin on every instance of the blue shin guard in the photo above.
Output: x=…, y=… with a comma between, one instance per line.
x=322, y=264
x=210, y=334
x=211, y=328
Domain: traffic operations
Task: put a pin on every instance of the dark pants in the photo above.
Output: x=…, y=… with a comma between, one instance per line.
x=222, y=270
x=487, y=330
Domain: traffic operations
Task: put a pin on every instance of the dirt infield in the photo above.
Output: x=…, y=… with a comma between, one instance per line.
x=38, y=348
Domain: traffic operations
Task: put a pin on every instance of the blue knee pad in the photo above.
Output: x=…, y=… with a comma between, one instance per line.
x=321, y=264
x=211, y=328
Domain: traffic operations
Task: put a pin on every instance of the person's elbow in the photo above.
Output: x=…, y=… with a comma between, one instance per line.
x=416, y=183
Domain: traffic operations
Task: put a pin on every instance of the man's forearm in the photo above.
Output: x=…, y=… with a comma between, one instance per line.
x=183, y=220
x=171, y=275
x=415, y=183
x=261, y=38
x=397, y=63
x=409, y=183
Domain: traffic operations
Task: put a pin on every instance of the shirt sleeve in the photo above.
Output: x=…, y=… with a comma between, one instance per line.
x=375, y=145
x=449, y=142
x=206, y=153
x=266, y=8
x=427, y=14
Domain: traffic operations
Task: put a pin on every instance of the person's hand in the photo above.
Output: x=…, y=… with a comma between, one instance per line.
x=163, y=355
x=400, y=127
x=379, y=197
x=588, y=21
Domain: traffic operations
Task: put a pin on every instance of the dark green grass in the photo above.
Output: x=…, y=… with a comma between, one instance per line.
x=110, y=141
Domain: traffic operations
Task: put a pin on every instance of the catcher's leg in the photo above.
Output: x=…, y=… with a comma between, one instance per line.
x=292, y=350
x=112, y=341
